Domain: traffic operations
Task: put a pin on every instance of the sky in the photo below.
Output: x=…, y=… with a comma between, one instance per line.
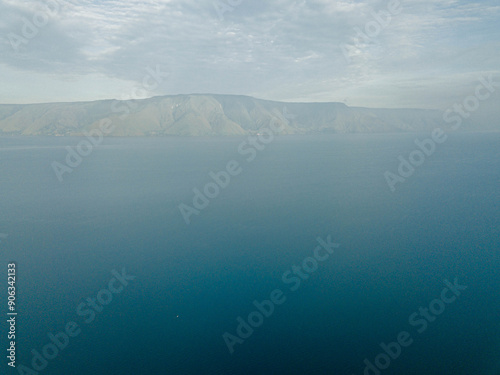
x=391, y=54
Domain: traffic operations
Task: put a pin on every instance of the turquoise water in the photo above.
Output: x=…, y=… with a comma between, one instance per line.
x=119, y=208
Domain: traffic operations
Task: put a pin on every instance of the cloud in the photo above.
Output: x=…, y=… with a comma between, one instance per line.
x=281, y=50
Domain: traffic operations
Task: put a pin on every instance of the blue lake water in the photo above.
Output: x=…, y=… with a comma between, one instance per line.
x=120, y=209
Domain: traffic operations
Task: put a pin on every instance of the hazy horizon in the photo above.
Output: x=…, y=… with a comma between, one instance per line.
x=215, y=94
x=374, y=54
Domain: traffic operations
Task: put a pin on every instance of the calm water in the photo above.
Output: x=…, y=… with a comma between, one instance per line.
x=119, y=208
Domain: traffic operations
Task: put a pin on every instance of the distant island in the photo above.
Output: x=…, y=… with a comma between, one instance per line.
x=210, y=115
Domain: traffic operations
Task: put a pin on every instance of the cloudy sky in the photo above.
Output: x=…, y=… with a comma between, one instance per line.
x=428, y=54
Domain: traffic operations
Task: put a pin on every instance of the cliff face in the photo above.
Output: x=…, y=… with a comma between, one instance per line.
x=206, y=115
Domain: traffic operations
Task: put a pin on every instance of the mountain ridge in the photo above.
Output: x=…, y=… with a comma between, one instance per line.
x=209, y=115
